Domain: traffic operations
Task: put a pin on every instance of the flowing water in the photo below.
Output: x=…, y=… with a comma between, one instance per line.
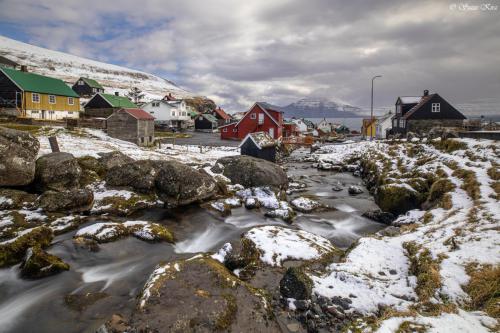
x=117, y=272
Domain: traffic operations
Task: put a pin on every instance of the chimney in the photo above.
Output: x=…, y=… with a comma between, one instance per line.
x=117, y=93
x=426, y=92
x=24, y=68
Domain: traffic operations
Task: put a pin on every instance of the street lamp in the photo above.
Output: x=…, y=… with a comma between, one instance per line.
x=371, y=112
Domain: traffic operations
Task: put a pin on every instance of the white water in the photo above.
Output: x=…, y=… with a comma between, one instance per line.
x=202, y=242
x=109, y=273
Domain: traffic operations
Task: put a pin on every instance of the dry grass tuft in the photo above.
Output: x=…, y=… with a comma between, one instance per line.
x=425, y=268
x=484, y=289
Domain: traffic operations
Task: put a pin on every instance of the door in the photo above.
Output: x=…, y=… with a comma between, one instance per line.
x=271, y=132
x=43, y=114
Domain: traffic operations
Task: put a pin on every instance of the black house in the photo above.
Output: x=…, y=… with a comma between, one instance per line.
x=6, y=62
x=86, y=87
x=205, y=123
x=420, y=114
x=260, y=145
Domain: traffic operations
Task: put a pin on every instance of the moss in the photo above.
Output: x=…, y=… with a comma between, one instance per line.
x=427, y=217
x=484, y=289
x=226, y=318
x=39, y=264
x=397, y=199
x=425, y=269
x=79, y=302
x=411, y=327
x=449, y=145
x=122, y=206
x=13, y=252
x=439, y=188
x=21, y=127
x=159, y=231
x=470, y=183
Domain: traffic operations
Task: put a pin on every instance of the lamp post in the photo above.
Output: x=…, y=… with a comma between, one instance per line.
x=371, y=112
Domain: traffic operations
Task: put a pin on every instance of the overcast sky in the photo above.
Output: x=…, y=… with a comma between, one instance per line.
x=279, y=51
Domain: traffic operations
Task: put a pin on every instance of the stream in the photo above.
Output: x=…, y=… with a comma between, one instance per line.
x=108, y=281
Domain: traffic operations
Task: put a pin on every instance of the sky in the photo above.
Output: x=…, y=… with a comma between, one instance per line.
x=238, y=52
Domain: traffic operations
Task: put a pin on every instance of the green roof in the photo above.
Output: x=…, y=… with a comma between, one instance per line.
x=92, y=83
x=209, y=117
x=38, y=83
x=118, y=101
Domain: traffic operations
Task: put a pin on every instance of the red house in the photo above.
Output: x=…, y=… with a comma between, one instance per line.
x=260, y=118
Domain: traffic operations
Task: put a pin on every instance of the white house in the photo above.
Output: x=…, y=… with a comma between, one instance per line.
x=324, y=125
x=384, y=123
x=301, y=125
x=173, y=113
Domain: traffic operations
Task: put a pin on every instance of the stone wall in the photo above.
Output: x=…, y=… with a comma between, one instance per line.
x=424, y=125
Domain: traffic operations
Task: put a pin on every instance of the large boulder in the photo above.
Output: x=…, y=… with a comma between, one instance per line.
x=12, y=251
x=57, y=172
x=296, y=284
x=178, y=184
x=253, y=172
x=397, y=198
x=67, y=201
x=18, y=151
x=38, y=264
x=176, y=299
x=140, y=175
x=114, y=158
x=15, y=199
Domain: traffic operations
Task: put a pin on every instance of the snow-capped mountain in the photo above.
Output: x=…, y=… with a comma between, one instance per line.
x=70, y=67
x=320, y=108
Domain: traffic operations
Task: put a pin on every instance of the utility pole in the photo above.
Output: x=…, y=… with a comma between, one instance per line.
x=371, y=112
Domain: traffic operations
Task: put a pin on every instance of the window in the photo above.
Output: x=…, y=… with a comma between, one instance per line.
x=80, y=83
x=70, y=112
x=224, y=130
x=52, y=99
x=35, y=98
x=235, y=130
x=173, y=113
x=94, y=90
x=156, y=104
x=398, y=109
x=261, y=118
x=436, y=107
x=184, y=113
x=253, y=116
x=71, y=101
x=34, y=112
x=402, y=123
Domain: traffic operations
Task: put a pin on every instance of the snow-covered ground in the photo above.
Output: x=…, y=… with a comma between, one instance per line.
x=377, y=271
x=90, y=142
x=69, y=68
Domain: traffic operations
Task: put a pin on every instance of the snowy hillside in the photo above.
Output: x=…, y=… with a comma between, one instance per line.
x=320, y=108
x=69, y=68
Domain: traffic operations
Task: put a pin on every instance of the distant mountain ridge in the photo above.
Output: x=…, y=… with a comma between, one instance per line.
x=320, y=108
x=69, y=68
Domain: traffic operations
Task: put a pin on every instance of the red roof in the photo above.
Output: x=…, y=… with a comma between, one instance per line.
x=222, y=114
x=139, y=114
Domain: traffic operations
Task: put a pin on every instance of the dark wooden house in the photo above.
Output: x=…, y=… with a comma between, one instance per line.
x=205, y=122
x=133, y=125
x=86, y=87
x=103, y=105
x=6, y=62
x=260, y=145
x=222, y=117
x=430, y=110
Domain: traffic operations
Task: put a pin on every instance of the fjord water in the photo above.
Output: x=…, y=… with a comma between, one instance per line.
x=116, y=273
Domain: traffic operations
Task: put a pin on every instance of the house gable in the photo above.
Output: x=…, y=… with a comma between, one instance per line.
x=423, y=110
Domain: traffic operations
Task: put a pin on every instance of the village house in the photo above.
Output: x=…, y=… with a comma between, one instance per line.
x=369, y=127
x=205, y=122
x=325, y=126
x=170, y=112
x=36, y=96
x=86, y=87
x=419, y=116
x=260, y=145
x=6, y=62
x=290, y=129
x=259, y=118
x=222, y=117
x=133, y=125
x=384, y=125
x=103, y=105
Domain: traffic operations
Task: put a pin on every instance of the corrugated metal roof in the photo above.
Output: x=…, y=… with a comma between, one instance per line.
x=38, y=83
x=209, y=117
x=139, y=114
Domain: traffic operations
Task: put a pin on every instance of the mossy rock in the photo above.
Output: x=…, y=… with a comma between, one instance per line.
x=296, y=284
x=38, y=264
x=12, y=251
x=397, y=198
x=439, y=189
x=15, y=199
x=89, y=163
x=175, y=298
x=151, y=232
x=121, y=206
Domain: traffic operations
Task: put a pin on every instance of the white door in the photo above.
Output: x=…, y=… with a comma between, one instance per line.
x=271, y=132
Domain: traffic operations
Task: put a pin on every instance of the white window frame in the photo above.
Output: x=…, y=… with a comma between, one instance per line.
x=253, y=116
x=174, y=114
x=71, y=101
x=402, y=123
x=436, y=107
x=261, y=118
x=52, y=97
x=94, y=90
x=37, y=99
x=81, y=83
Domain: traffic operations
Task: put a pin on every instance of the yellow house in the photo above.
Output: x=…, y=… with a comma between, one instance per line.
x=37, y=96
x=369, y=128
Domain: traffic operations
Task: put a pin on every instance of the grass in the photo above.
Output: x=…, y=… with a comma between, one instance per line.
x=484, y=289
x=172, y=135
x=470, y=183
x=449, y=145
x=494, y=174
x=21, y=127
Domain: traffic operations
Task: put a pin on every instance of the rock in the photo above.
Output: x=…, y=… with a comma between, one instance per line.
x=343, y=302
x=251, y=203
x=38, y=264
x=140, y=175
x=301, y=304
x=112, y=159
x=178, y=184
x=148, y=231
x=92, y=170
x=305, y=205
x=12, y=251
x=221, y=207
x=67, y=201
x=390, y=231
x=253, y=172
x=122, y=202
x=354, y=190
x=102, y=232
x=337, y=187
x=58, y=172
x=117, y=324
x=175, y=298
x=284, y=212
x=15, y=199
x=380, y=216
x=18, y=151
x=80, y=302
x=296, y=284
x=397, y=198
x=86, y=243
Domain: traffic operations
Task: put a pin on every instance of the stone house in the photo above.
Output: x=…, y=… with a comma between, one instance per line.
x=133, y=125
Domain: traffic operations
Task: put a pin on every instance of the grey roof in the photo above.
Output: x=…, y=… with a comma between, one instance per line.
x=209, y=117
x=410, y=99
x=261, y=139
